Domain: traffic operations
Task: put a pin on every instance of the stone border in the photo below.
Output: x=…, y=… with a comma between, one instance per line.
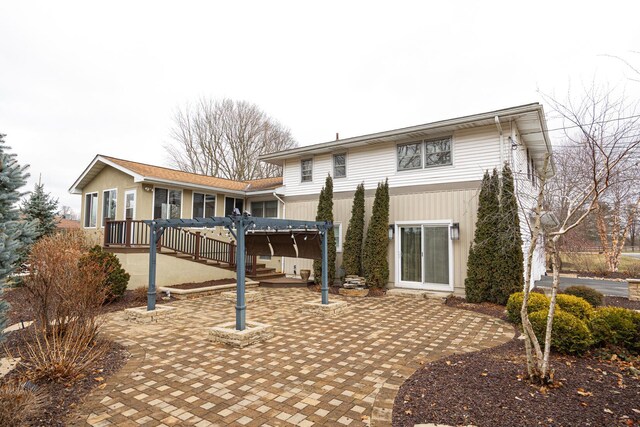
x=254, y=332
x=331, y=309
x=180, y=294
x=142, y=315
x=249, y=296
x=634, y=289
x=357, y=293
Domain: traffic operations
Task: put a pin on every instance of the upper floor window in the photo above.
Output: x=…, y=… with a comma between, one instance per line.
x=339, y=165
x=437, y=152
x=306, y=170
x=108, y=205
x=204, y=205
x=90, y=209
x=410, y=156
x=266, y=209
x=231, y=203
x=167, y=204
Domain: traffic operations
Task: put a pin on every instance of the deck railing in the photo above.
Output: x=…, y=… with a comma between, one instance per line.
x=135, y=234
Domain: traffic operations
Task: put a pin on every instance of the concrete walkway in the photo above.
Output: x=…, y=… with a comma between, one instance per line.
x=337, y=371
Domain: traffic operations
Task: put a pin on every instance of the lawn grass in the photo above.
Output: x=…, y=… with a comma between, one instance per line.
x=584, y=261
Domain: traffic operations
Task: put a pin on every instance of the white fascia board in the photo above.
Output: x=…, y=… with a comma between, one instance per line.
x=277, y=190
x=190, y=186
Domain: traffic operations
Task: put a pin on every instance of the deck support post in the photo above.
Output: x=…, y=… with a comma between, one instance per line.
x=151, y=292
x=325, y=272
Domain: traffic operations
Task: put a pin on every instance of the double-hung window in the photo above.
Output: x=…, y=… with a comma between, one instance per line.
x=167, y=204
x=108, y=205
x=437, y=152
x=339, y=165
x=90, y=209
x=306, y=170
x=204, y=205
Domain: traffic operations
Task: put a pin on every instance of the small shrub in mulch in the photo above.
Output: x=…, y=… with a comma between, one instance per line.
x=592, y=296
x=535, y=303
x=616, y=326
x=569, y=335
x=574, y=305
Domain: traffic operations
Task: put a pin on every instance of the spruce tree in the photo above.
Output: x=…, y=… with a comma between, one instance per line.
x=14, y=233
x=482, y=254
x=509, y=268
x=374, y=256
x=41, y=208
x=352, y=255
x=325, y=213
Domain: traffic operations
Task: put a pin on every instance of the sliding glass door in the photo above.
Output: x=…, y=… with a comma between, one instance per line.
x=424, y=256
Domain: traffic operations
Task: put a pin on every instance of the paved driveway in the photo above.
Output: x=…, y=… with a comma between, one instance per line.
x=606, y=287
x=342, y=370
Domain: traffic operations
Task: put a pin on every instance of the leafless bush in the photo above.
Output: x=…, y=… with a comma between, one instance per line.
x=140, y=294
x=66, y=295
x=17, y=403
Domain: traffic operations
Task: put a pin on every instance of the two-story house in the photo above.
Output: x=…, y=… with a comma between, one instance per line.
x=434, y=172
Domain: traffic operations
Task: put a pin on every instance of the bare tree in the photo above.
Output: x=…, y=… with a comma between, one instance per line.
x=600, y=155
x=224, y=138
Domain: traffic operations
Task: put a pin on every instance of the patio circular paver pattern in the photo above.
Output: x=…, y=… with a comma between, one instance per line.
x=316, y=370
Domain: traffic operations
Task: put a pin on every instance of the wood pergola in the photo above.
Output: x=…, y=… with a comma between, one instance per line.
x=239, y=225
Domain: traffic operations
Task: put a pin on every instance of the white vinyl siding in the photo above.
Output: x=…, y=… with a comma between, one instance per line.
x=474, y=150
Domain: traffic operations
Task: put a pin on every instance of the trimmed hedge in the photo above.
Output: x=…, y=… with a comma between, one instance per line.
x=616, y=326
x=536, y=302
x=568, y=335
x=592, y=296
x=575, y=305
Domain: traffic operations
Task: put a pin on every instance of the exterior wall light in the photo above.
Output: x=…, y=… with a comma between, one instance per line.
x=392, y=229
x=454, y=231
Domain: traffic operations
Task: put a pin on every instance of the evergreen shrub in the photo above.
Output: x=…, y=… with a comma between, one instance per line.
x=569, y=334
x=536, y=302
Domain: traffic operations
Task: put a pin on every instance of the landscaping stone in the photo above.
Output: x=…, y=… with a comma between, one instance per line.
x=331, y=309
x=7, y=364
x=356, y=292
x=142, y=315
x=249, y=296
x=634, y=289
x=227, y=333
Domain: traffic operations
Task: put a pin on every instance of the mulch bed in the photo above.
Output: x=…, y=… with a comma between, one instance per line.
x=487, y=388
x=192, y=285
x=61, y=398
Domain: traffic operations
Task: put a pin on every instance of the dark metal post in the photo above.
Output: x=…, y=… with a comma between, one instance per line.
x=151, y=293
x=325, y=272
x=240, y=274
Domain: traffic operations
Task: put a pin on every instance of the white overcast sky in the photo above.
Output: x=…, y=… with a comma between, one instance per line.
x=82, y=78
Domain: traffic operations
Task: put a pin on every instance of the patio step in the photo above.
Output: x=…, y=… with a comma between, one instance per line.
x=283, y=282
x=416, y=293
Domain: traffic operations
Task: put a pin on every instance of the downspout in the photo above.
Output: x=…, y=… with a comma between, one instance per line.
x=497, y=120
x=284, y=216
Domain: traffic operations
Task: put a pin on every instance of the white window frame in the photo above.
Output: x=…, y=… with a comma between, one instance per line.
x=102, y=222
x=86, y=219
x=333, y=159
x=422, y=285
x=424, y=149
x=224, y=208
x=302, y=180
x=338, y=225
x=264, y=202
x=193, y=202
x=124, y=210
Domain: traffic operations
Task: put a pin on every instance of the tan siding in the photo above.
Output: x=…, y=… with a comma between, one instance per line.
x=456, y=206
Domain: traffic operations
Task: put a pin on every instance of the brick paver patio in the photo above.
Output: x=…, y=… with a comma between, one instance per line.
x=342, y=370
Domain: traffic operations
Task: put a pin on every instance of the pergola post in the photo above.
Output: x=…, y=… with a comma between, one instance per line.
x=241, y=307
x=325, y=272
x=151, y=292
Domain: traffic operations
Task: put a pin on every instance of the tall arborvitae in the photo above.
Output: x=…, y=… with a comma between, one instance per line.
x=482, y=255
x=352, y=254
x=14, y=233
x=374, y=256
x=41, y=209
x=509, y=266
x=325, y=213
